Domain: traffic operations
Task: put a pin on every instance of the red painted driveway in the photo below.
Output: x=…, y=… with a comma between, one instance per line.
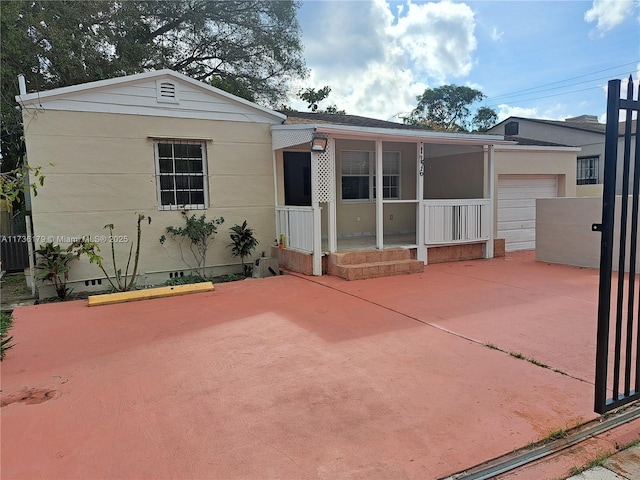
x=300, y=378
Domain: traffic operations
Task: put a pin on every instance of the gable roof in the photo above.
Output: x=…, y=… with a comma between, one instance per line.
x=136, y=94
x=533, y=142
x=575, y=125
x=294, y=118
x=572, y=123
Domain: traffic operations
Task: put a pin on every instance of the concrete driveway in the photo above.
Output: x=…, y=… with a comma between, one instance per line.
x=301, y=378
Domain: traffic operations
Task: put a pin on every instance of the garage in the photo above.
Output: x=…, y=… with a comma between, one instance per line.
x=517, y=196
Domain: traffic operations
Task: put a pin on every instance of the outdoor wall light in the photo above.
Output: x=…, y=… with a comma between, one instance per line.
x=319, y=143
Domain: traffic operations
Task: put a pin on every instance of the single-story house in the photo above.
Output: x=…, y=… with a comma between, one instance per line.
x=584, y=131
x=160, y=144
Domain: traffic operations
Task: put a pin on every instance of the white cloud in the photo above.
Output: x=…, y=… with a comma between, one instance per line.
x=377, y=63
x=495, y=35
x=608, y=14
x=438, y=37
x=557, y=111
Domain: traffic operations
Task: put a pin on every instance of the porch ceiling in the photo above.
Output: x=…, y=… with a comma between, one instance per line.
x=289, y=135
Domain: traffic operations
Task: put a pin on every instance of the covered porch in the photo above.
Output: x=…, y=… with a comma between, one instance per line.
x=437, y=191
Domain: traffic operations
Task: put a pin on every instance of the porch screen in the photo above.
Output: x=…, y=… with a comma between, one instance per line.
x=358, y=175
x=355, y=175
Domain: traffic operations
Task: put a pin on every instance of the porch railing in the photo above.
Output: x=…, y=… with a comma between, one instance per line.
x=296, y=223
x=456, y=221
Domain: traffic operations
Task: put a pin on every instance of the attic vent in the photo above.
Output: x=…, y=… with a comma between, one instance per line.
x=511, y=128
x=167, y=92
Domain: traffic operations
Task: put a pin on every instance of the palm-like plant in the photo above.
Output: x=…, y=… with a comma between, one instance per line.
x=243, y=244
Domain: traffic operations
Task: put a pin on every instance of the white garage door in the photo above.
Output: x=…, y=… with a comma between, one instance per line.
x=517, y=207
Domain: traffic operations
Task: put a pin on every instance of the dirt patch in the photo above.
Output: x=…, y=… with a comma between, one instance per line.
x=14, y=290
x=30, y=396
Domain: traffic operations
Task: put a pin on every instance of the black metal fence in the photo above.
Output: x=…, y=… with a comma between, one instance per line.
x=14, y=250
x=618, y=341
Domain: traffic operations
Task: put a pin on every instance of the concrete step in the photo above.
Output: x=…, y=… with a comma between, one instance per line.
x=359, y=265
x=370, y=256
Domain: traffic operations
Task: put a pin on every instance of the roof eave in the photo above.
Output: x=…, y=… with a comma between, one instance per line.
x=398, y=134
x=37, y=98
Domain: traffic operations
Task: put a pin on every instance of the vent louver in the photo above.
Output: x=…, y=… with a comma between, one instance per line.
x=167, y=92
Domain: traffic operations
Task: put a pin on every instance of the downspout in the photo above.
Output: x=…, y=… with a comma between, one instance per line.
x=275, y=191
x=22, y=86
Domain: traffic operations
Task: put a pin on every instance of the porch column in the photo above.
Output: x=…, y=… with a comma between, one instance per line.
x=379, y=198
x=420, y=172
x=332, y=227
x=488, y=251
x=317, y=240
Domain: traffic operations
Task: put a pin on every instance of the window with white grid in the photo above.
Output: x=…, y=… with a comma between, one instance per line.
x=181, y=174
x=588, y=170
x=359, y=179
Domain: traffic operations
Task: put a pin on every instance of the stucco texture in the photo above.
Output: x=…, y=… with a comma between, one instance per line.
x=104, y=173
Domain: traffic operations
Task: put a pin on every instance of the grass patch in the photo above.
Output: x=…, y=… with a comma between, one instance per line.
x=520, y=356
x=536, y=362
x=600, y=459
x=6, y=322
x=557, y=435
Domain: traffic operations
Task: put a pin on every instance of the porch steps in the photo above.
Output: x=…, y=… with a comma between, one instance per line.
x=362, y=264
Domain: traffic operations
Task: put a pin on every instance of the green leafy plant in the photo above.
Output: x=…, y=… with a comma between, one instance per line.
x=53, y=266
x=6, y=322
x=200, y=234
x=243, y=244
x=16, y=182
x=186, y=280
x=120, y=282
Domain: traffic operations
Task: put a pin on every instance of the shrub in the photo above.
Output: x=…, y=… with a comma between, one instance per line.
x=6, y=322
x=53, y=266
x=243, y=244
x=200, y=234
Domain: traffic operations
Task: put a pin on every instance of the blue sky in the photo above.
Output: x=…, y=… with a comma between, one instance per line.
x=540, y=59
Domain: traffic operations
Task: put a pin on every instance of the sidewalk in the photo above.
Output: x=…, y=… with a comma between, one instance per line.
x=624, y=465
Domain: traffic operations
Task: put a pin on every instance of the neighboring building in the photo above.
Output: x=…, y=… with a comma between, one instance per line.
x=584, y=131
x=160, y=143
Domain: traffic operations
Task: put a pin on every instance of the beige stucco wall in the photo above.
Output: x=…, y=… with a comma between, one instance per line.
x=105, y=173
x=589, y=190
x=563, y=231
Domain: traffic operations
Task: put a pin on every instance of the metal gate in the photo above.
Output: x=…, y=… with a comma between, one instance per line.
x=618, y=341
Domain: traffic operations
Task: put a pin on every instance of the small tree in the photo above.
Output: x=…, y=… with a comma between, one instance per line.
x=53, y=266
x=243, y=244
x=448, y=108
x=200, y=234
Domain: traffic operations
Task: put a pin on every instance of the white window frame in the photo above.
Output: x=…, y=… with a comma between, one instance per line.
x=372, y=175
x=204, y=175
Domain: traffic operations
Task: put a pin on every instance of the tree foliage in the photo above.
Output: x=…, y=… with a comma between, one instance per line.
x=313, y=97
x=251, y=48
x=449, y=108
